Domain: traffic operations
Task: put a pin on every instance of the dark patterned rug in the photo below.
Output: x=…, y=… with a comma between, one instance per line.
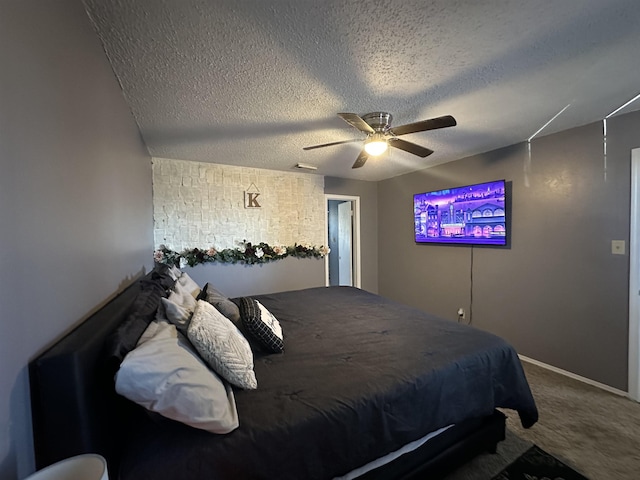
x=536, y=464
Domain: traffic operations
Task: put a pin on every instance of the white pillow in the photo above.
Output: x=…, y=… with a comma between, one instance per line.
x=174, y=272
x=179, y=308
x=189, y=284
x=165, y=375
x=181, y=289
x=222, y=345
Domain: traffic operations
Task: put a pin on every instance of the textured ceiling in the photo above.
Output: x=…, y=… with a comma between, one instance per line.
x=252, y=82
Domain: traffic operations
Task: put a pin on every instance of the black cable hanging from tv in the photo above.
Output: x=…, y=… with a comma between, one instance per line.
x=471, y=289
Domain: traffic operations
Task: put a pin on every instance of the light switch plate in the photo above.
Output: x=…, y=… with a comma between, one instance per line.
x=617, y=247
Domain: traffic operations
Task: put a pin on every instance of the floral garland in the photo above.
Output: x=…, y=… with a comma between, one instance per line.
x=246, y=253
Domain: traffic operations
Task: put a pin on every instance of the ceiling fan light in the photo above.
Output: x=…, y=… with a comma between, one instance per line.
x=375, y=145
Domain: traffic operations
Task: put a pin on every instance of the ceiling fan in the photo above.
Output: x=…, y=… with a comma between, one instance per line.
x=380, y=134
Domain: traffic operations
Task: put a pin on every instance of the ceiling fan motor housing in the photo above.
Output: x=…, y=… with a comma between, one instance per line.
x=380, y=135
x=379, y=121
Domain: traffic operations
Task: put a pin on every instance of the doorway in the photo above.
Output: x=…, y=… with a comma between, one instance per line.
x=342, y=265
x=634, y=279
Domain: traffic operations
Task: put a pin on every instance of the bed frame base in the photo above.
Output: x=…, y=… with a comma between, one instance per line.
x=446, y=452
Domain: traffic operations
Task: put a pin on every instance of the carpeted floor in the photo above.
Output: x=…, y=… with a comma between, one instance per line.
x=595, y=432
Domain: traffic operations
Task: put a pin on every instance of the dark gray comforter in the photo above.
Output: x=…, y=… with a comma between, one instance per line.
x=360, y=377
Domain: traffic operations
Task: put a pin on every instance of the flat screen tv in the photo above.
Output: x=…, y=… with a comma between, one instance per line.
x=468, y=215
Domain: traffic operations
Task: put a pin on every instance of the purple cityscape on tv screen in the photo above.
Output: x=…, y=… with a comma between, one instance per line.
x=473, y=214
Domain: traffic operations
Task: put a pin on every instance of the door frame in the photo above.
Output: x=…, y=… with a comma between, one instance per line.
x=355, y=250
x=634, y=279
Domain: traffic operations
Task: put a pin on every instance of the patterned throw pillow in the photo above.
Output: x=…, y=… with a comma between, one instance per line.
x=263, y=327
x=222, y=346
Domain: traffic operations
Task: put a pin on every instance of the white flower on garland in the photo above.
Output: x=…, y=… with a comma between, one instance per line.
x=259, y=253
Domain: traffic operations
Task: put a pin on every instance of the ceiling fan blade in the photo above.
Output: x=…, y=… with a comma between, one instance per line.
x=410, y=147
x=431, y=124
x=332, y=143
x=360, y=161
x=357, y=122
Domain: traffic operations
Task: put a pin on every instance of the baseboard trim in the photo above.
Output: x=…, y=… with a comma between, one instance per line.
x=586, y=380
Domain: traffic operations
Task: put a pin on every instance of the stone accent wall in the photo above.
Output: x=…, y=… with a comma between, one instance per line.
x=202, y=205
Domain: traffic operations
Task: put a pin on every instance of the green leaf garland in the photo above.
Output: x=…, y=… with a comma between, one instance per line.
x=246, y=253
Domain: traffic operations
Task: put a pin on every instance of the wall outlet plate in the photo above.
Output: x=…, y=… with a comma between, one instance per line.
x=618, y=247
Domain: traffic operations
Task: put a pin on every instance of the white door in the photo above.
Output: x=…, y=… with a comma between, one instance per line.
x=345, y=235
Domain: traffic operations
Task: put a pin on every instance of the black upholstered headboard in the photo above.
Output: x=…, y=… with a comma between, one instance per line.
x=74, y=406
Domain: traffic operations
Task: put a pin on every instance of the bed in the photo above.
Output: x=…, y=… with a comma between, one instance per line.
x=360, y=377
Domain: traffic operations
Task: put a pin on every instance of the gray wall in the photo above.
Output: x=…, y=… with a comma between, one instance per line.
x=558, y=294
x=75, y=196
x=368, y=193
x=242, y=280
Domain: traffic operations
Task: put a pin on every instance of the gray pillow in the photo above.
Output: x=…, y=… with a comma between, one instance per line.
x=222, y=303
